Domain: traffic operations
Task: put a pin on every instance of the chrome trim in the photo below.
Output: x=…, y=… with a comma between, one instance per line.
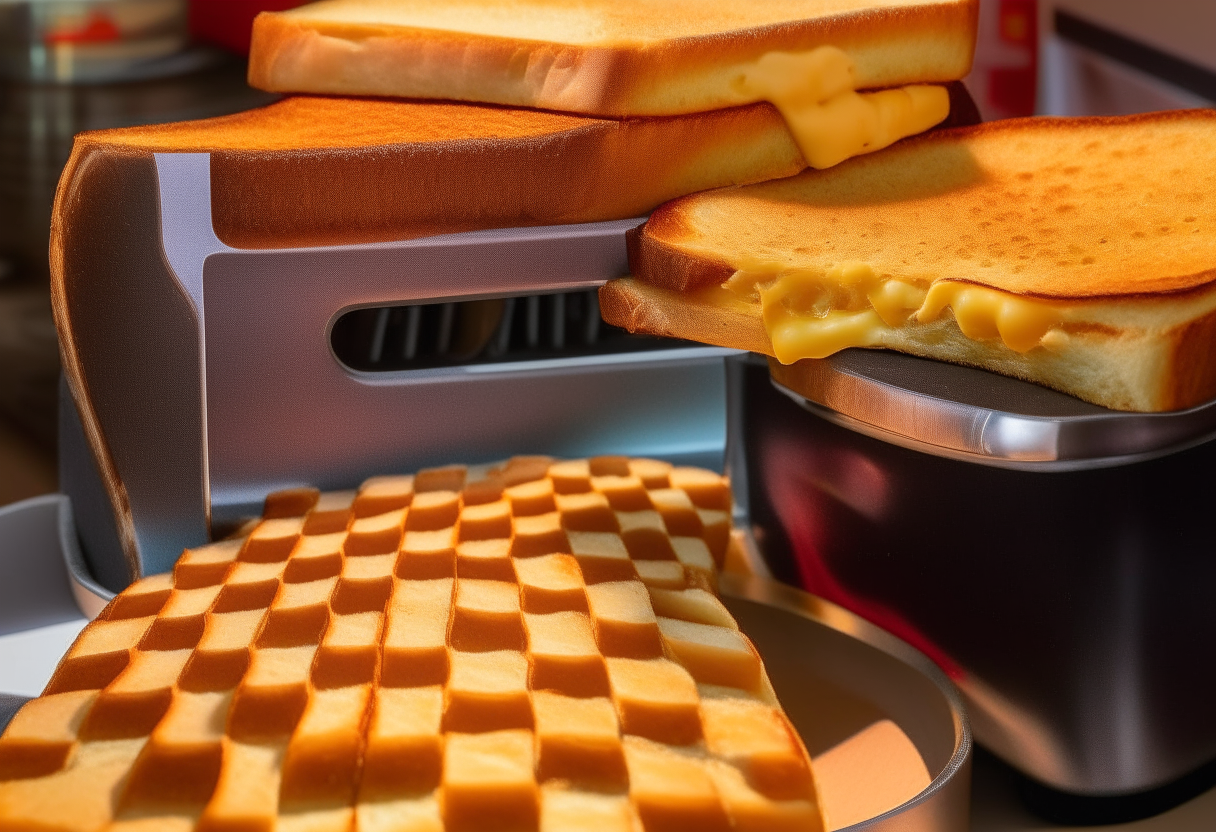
x=976, y=416
x=89, y=595
x=238, y=393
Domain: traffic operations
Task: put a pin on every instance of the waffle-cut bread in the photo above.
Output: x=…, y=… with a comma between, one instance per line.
x=310, y=171
x=532, y=646
x=1076, y=253
x=638, y=57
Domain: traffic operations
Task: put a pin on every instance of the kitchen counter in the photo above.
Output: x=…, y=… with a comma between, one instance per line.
x=996, y=807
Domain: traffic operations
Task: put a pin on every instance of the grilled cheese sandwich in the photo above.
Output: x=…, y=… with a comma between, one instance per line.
x=1076, y=253
x=849, y=77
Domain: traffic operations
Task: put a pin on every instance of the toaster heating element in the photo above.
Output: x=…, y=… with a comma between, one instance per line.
x=522, y=328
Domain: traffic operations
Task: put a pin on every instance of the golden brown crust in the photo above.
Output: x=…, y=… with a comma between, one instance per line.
x=666, y=265
x=309, y=123
x=324, y=171
x=640, y=307
x=1044, y=207
x=605, y=58
x=1191, y=372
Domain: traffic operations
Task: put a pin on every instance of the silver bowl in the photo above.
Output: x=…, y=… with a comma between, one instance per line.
x=824, y=659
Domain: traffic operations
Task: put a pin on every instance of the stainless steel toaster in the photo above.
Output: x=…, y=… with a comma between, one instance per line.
x=203, y=376
x=1054, y=557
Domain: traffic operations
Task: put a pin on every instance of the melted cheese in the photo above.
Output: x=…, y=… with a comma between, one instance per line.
x=984, y=313
x=816, y=94
x=812, y=314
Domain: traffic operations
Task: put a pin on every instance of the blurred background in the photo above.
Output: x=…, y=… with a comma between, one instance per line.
x=73, y=65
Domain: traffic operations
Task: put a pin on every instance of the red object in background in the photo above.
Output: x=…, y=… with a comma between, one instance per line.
x=1018, y=23
x=1005, y=76
x=1013, y=89
x=229, y=23
x=97, y=29
x=801, y=480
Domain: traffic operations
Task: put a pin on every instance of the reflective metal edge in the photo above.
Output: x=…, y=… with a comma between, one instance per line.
x=1093, y=438
x=89, y=595
x=944, y=805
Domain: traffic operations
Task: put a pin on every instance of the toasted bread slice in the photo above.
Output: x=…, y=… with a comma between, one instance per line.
x=1076, y=253
x=310, y=171
x=536, y=645
x=635, y=57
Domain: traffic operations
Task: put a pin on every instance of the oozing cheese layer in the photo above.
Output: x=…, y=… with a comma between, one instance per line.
x=816, y=94
x=812, y=314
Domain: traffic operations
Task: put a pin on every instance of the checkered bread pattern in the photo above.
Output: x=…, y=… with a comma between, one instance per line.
x=532, y=646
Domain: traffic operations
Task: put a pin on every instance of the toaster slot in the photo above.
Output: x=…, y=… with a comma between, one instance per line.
x=519, y=328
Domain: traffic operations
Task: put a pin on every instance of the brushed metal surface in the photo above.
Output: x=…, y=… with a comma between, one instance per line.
x=133, y=361
x=211, y=375
x=965, y=413
x=33, y=581
x=10, y=703
x=94, y=523
x=1073, y=608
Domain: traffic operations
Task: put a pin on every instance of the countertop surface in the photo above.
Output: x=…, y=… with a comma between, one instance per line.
x=996, y=807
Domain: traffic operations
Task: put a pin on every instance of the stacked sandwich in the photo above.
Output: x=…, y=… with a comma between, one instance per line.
x=567, y=113
x=1073, y=253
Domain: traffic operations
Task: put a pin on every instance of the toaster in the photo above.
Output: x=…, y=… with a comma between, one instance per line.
x=1053, y=556
x=203, y=377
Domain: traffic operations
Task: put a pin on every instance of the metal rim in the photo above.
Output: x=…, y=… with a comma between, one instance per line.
x=797, y=602
x=1017, y=441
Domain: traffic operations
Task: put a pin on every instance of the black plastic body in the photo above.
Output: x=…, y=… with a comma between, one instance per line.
x=1075, y=610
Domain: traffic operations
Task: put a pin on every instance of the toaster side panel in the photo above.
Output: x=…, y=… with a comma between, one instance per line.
x=131, y=354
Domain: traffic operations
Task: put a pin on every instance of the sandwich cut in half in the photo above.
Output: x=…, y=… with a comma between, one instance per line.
x=1076, y=253
x=848, y=76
